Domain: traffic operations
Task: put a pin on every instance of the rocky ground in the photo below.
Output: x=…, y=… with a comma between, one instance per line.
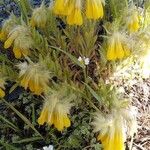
x=140, y=93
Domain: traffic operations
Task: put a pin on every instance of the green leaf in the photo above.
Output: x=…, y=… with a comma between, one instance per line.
x=93, y=92
x=27, y=140
x=13, y=88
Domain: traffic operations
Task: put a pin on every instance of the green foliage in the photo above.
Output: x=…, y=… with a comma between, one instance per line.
x=63, y=50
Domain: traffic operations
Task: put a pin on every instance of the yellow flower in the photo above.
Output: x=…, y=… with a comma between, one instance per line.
x=116, y=142
x=7, y=26
x=117, y=48
x=34, y=76
x=94, y=9
x=62, y=7
x=39, y=17
x=112, y=131
x=133, y=22
x=20, y=38
x=114, y=127
x=75, y=16
x=55, y=110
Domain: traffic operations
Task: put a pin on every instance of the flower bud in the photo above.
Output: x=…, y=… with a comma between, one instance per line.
x=34, y=76
x=39, y=17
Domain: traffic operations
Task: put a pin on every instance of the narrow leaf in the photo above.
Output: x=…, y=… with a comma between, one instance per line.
x=22, y=117
x=93, y=92
x=28, y=140
x=8, y=122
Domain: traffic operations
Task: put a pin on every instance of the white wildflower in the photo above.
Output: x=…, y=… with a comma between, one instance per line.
x=50, y=147
x=84, y=60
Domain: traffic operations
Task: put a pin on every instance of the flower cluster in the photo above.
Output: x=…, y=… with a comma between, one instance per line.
x=84, y=60
x=117, y=47
x=114, y=127
x=73, y=10
x=20, y=38
x=56, y=109
x=49, y=65
x=34, y=76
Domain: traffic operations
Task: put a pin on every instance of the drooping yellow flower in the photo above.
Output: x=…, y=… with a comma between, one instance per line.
x=133, y=22
x=20, y=38
x=7, y=26
x=75, y=16
x=114, y=127
x=2, y=87
x=94, y=9
x=116, y=142
x=39, y=17
x=62, y=7
x=112, y=132
x=117, y=48
x=58, y=7
x=55, y=110
x=34, y=76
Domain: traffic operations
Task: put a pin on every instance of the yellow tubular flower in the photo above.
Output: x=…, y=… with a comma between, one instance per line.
x=20, y=38
x=133, y=22
x=62, y=7
x=117, y=48
x=34, y=76
x=58, y=7
x=55, y=111
x=111, y=52
x=114, y=127
x=112, y=131
x=116, y=142
x=94, y=9
x=75, y=16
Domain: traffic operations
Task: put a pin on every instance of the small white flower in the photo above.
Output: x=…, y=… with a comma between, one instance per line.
x=50, y=147
x=80, y=59
x=84, y=60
